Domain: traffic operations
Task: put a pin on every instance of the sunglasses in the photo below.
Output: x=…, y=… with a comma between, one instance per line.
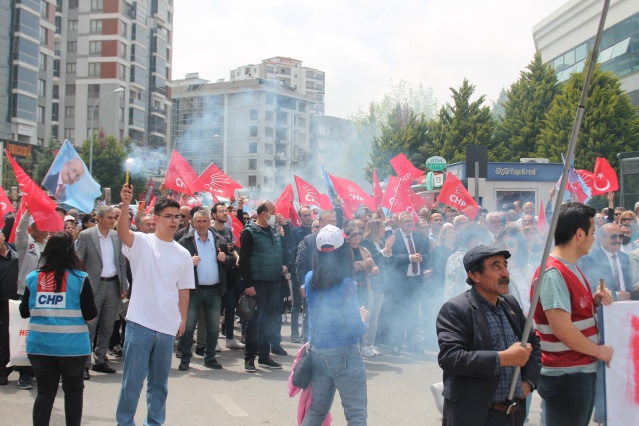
x=614, y=236
x=356, y=234
x=93, y=220
x=617, y=214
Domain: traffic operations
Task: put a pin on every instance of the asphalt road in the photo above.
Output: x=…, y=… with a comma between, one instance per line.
x=398, y=394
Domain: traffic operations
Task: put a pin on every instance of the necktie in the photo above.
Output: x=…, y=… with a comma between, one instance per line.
x=615, y=272
x=59, y=190
x=411, y=247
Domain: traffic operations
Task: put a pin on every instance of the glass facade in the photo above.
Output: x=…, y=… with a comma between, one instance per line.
x=619, y=51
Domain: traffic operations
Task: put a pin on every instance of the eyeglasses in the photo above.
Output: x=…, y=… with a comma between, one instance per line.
x=183, y=216
x=171, y=217
x=92, y=220
x=356, y=234
x=617, y=214
x=614, y=236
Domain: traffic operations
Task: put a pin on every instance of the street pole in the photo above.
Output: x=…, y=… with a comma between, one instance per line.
x=118, y=90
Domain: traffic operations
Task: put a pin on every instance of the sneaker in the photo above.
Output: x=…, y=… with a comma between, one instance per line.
x=116, y=351
x=25, y=381
x=376, y=350
x=367, y=351
x=218, y=348
x=233, y=344
x=199, y=351
x=284, y=319
x=296, y=339
x=213, y=364
x=269, y=363
x=249, y=366
x=86, y=375
x=278, y=350
x=103, y=368
x=184, y=366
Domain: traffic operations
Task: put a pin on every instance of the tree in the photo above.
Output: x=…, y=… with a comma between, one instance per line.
x=498, y=109
x=43, y=159
x=403, y=131
x=529, y=99
x=463, y=123
x=610, y=124
x=109, y=156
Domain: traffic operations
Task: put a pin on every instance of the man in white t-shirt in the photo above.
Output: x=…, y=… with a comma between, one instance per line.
x=163, y=274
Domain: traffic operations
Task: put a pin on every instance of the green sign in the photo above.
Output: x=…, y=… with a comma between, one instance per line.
x=436, y=163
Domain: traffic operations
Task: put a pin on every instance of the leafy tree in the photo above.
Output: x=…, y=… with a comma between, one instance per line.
x=403, y=131
x=42, y=160
x=610, y=124
x=460, y=124
x=529, y=99
x=109, y=156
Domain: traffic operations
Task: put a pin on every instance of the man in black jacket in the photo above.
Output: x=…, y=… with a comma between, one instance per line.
x=299, y=233
x=479, y=333
x=210, y=264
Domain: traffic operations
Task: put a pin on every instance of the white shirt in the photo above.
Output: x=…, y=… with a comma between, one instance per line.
x=622, y=282
x=160, y=269
x=108, y=256
x=409, y=272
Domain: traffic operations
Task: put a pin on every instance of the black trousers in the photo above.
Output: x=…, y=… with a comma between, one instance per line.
x=260, y=328
x=48, y=370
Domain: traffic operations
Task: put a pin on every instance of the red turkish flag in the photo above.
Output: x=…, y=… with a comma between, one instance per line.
x=236, y=228
x=181, y=177
x=42, y=207
x=378, y=194
x=405, y=169
x=308, y=194
x=352, y=195
x=454, y=194
x=542, y=224
x=284, y=206
x=217, y=182
x=5, y=206
x=605, y=179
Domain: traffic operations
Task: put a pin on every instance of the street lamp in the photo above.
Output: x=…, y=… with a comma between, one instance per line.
x=118, y=90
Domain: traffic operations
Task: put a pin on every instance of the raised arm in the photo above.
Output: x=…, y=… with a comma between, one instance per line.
x=124, y=232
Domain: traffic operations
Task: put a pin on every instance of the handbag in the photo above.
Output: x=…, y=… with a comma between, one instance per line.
x=246, y=307
x=303, y=372
x=18, y=330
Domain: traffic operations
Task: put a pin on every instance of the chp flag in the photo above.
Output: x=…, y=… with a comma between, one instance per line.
x=218, y=183
x=6, y=206
x=454, y=194
x=308, y=194
x=405, y=169
x=284, y=206
x=352, y=195
x=181, y=177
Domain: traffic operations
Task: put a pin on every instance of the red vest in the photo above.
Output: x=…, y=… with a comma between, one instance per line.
x=554, y=353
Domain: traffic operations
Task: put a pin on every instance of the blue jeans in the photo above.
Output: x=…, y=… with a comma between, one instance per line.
x=209, y=299
x=342, y=369
x=568, y=399
x=145, y=352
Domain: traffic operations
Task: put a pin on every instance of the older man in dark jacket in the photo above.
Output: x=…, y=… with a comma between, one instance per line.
x=479, y=333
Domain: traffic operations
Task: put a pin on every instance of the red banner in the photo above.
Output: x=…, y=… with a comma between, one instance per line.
x=405, y=169
x=217, y=182
x=454, y=194
x=284, y=206
x=378, y=194
x=352, y=195
x=5, y=206
x=308, y=194
x=181, y=177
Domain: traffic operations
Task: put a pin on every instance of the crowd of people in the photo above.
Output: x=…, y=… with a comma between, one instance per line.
x=355, y=288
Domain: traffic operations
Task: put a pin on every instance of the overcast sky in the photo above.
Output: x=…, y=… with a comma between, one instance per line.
x=362, y=45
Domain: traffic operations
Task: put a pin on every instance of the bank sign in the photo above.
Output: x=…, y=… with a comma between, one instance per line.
x=538, y=172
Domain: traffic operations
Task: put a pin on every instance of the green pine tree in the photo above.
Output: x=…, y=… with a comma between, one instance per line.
x=610, y=124
x=529, y=99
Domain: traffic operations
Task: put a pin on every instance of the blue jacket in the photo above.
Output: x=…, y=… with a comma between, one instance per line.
x=57, y=327
x=334, y=318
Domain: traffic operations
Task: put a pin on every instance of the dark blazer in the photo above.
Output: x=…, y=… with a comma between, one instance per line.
x=88, y=248
x=188, y=242
x=595, y=265
x=305, y=255
x=400, y=260
x=182, y=232
x=51, y=183
x=468, y=358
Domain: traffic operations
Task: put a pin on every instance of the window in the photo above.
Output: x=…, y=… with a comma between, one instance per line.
x=301, y=121
x=96, y=5
x=268, y=132
x=90, y=110
x=42, y=90
x=69, y=111
x=54, y=111
x=69, y=133
x=301, y=106
x=94, y=90
x=252, y=147
x=73, y=4
x=43, y=61
x=44, y=35
x=252, y=164
x=40, y=114
x=268, y=116
x=123, y=28
x=252, y=181
x=121, y=114
x=270, y=99
x=122, y=50
x=122, y=72
x=72, y=25
x=253, y=114
x=69, y=89
x=71, y=68
x=253, y=131
x=94, y=69
x=95, y=26
x=72, y=46
x=95, y=47
x=55, y=92
x=40, y=141
x=44, y=9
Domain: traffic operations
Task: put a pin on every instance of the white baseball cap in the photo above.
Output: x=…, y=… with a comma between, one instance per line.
x=69, y=217
x=329, y=238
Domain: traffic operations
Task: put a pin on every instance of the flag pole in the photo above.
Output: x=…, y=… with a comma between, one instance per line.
x=562, y=187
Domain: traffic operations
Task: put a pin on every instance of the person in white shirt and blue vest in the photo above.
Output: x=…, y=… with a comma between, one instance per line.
x=59, y=300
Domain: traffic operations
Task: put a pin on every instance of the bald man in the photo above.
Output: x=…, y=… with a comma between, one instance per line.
x=72, y=171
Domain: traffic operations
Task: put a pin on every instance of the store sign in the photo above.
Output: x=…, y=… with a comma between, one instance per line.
x=17, y=149
x=539, y=172
x=436, y=163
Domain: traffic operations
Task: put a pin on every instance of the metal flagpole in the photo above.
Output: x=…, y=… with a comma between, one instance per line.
x=562, y=188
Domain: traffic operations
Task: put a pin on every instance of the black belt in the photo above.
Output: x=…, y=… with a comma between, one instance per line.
x=506, y=408
x=208, y=286
x=113, y=278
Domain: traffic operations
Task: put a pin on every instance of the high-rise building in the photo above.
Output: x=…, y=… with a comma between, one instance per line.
x=566, y=37
x=255, y=130
x=65, y=57
x=289, y=73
